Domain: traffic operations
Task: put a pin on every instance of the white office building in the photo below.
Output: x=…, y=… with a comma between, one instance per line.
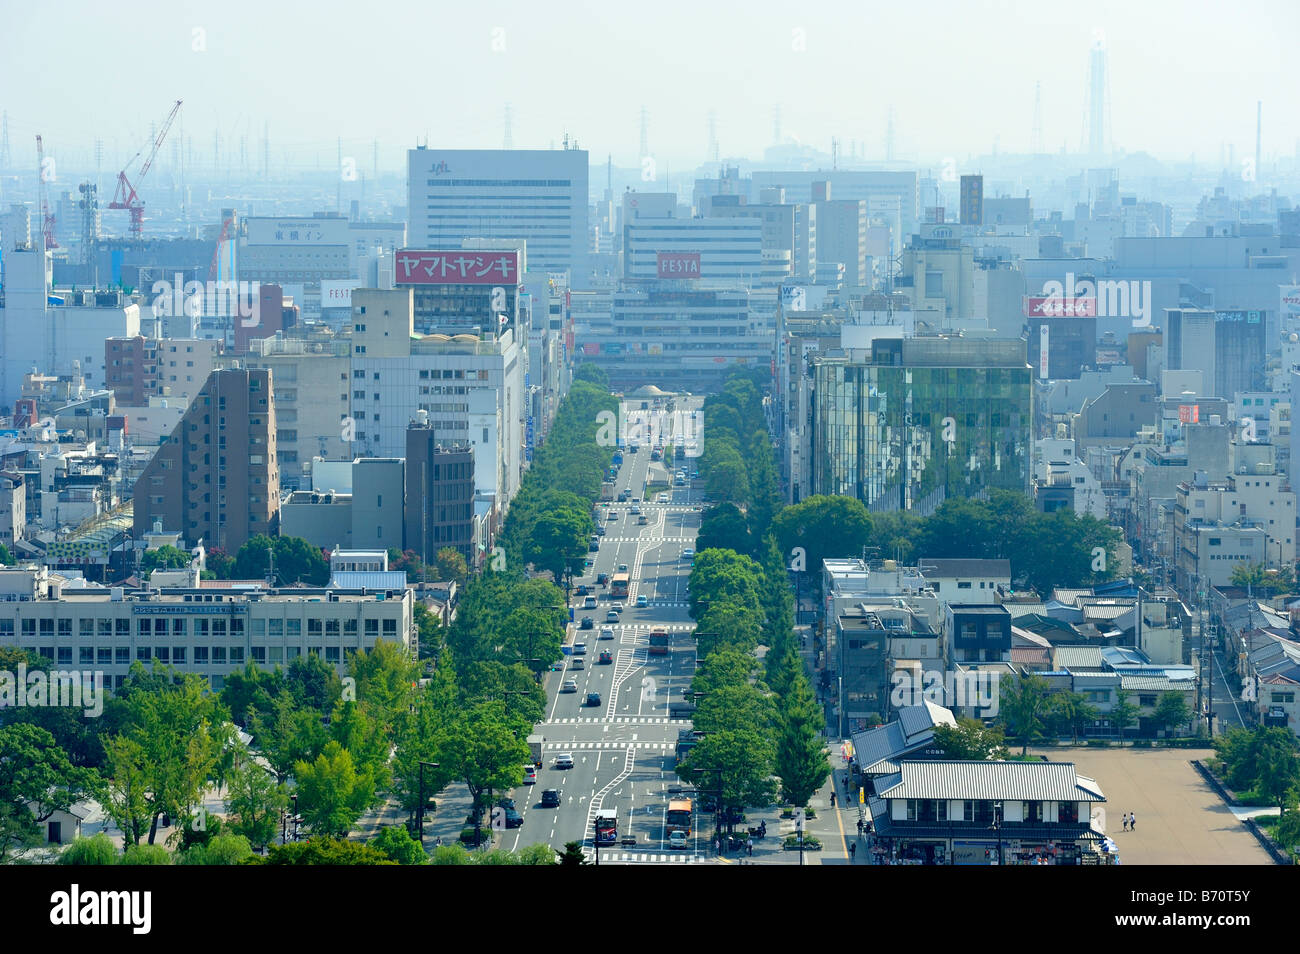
x=539, y=196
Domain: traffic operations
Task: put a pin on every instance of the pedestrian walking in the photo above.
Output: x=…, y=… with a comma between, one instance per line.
x=859, y=827
x=832, y=799
x=853, y=852
x=1126, y=821
x=749, y=845
x=1132, y=822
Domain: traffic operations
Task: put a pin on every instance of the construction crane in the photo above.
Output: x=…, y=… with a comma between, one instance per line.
x=47, y=217
x=126, y=196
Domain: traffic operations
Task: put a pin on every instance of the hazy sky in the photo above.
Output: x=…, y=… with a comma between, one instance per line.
x=1185, y=74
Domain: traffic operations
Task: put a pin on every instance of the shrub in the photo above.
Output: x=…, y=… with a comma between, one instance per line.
x=96, y=850
x=146, y=855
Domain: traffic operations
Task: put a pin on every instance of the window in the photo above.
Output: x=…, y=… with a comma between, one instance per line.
x=122, y=655
x=65, y=655
x=218, y=655
x=29, y=628
x=390, y=627
x=1067, y=813
x=259, y=654
x=372, y=627
x=200, y=655
x=1034, y=811
x=86, y=655
x=178, y=655
x=964, y=586
x=65, y=627
x=47, y=627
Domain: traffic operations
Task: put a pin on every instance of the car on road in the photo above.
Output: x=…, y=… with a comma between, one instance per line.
x=611, y=617
x=511, y=815
x=551, y=797
x=688, y=554
x=593, y=698
x=594, y=545
x=587, y=623
x=616, y=607
x=606, y=657
x=600, y=530
x=636, y=500
x=582, y=590
x=642, y=602
x=662, y=498
x=578, y=663
x=570, y=685
x=579, y=649
x=642, y=520
x=607, y=632
x=564, y=760
x=602, y=579
x=677, y=840
x=530, y=774
x=588, y=601
x=612, y=516
x=622, y=568
x=634, y=510
x=679, y=481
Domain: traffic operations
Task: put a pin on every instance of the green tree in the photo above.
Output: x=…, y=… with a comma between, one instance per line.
x=483, y=748
x=724, y=527
x=593, y=373
x=296, y=560
x=164, y=558
x=287, y=734
x=572, y=855
x=969, y=740
x=396, y=842
x=432, y=632
x=326, y=851
x=822, y=527
x=332, y=794
x=219, y=565
x=728, y=480
x=735, y=707
x=538, y=854
x=736, y=762
x=1123, y=714
x=1171, y=711
x=222, y=849
x=1024, y=704
x=36, y=780
x=314, y=683
x=452, y=566
x=1262, y=581
x=1073, y=712
x=176, y=739
x=96, y=850
x=801, y=759
x=6, y=558
x=145, y=855
x=254, y=802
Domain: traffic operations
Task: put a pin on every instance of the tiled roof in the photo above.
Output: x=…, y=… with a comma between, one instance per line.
x=1017, y=781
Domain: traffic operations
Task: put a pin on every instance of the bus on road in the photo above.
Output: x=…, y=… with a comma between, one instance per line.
x=606, y=826
x=618, y=586
x=679, y=816
x=658, y=643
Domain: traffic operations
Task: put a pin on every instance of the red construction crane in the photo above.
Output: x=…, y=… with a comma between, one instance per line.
x=47, y=217
x=126, y=197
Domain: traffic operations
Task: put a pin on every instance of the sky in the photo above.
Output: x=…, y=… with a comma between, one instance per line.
x=960, y=76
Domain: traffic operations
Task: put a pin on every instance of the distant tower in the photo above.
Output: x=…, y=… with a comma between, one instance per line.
x=1259, y=134
x=713, y=135
x=1098, y=84
x=507, y=140
x=1036, y=137
x=645, y=133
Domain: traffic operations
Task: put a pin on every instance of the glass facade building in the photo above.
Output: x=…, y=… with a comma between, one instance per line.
x=914, y=421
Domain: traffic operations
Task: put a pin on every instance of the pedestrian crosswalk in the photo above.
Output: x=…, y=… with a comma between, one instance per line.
x=629, y=720
x=574, y=746
x=634, y=857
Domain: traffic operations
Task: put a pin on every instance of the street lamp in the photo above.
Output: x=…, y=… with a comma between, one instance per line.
x=420, y=810
x=294, y=798
x=997, y=828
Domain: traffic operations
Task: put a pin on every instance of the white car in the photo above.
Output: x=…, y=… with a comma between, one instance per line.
x=688, y=554
x=607, y=632
x=570, y=685
x=564, y=760
x=677, y=839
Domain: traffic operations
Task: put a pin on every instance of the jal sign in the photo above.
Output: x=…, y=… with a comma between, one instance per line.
x=679, y=264
x=457, y=267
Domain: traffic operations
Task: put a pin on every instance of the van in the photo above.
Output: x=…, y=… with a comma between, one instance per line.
x=589, y=602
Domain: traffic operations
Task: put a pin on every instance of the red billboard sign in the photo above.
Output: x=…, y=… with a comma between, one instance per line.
x=457, y=267
x=1056, y=307
x=1189, y=413
x=679, y=264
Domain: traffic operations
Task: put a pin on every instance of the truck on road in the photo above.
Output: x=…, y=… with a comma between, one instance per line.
x=535, y=749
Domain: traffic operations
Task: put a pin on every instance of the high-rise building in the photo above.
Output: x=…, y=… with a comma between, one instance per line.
x=657, y=243
x=912, y=421
x=539, y=196
x=841, y=233
x=439, y=495
x=217, y=478
x=1228, y=346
